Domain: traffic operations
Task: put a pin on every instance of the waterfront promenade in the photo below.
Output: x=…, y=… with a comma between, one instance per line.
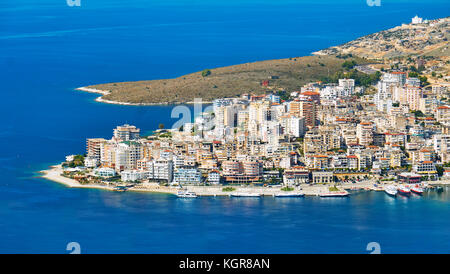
x=54, y=174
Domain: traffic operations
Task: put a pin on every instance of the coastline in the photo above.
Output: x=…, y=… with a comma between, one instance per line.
x=54, y=174
x=105, y=92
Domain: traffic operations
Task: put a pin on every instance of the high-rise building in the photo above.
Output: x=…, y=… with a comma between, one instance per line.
x=93, y=147
x=364, y=133
x=297, y=126
x=306, y=109
x=127, y=155
x=413, y=95
x=126, y=133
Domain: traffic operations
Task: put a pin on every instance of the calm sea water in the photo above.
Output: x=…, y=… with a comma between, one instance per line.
x=47, y=49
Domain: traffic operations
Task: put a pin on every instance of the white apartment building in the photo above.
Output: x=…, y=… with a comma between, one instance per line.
x=297, y=126
x=127, y=154
x=126, y=133
x=133, y=175
x=187, y=175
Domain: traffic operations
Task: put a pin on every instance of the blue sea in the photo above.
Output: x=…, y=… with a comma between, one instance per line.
x=48, y=48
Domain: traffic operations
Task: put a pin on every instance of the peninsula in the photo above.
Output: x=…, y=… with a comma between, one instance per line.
x=420, y=39
x=279, y=76
x=381, y=125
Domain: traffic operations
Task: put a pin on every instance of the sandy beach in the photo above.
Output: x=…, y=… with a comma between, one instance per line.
x=54, y=174
x=93, y=90
x=106, y=92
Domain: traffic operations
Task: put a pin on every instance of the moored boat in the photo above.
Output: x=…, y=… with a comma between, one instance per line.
x=186, y=194
x=403, y=190
x=334, y=194
x=417, y=190
x=241, y=194
x=120, y=189
x=287, y=195
x=391, y=190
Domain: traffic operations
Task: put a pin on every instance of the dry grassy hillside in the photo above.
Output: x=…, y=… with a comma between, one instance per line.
x=229, y=81
x=431, y=38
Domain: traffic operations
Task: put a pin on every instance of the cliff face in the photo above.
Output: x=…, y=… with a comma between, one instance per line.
x=430, y=38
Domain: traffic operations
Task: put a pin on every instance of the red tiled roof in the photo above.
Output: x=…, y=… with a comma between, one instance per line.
x=310, y=93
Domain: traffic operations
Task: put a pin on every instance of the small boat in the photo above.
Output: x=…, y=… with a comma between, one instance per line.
x=403, y=190
x=439, y=189
x=391, y=190
x=417, y=190
x=186, y=194
x=287, y=195
x=334, y=194
x=120, y=189
x=376, y=187
x=254, y=195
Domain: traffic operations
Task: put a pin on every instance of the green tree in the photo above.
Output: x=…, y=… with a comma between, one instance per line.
x=349, y=64
x=413, y=74
x=206, y=72
x=423, y=80
x=440, y=170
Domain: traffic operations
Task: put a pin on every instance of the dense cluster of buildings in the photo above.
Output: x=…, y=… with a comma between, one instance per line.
x=323, y=133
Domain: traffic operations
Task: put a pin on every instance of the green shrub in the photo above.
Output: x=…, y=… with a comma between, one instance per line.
x=228, y=189
x=206, y=72
x=286, y=188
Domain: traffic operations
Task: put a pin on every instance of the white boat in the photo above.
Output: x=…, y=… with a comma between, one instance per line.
x=334, y=194
x=403, y=190
x=256, y=195
x=186, y=194
x=286, y=195
x=391, y=190
x=416, y=189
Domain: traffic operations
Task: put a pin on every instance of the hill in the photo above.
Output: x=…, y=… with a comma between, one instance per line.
x=287, y=74
x=430, y=38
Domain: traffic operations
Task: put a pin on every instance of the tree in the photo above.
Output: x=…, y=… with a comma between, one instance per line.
x=161, y=126
x=413, y=74
x=413, y=68
x=206, y=72
x=349, y=64
x=423, y=80
x=418, y=113
x=440, y=170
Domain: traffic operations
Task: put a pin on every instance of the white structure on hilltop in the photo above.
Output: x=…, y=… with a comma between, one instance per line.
x=416, y=20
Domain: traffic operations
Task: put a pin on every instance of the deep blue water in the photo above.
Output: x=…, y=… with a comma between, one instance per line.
x=47, y=49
